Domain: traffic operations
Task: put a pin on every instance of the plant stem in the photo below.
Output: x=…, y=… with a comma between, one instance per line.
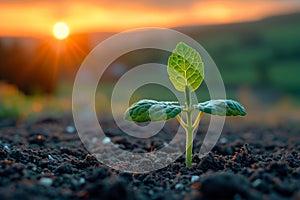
x=181, y=122
x=199, y=117
x=189, y=128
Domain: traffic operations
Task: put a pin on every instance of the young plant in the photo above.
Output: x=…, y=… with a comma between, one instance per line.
x=186, y=72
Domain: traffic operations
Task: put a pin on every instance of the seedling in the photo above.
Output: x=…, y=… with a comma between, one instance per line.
x=186, y=72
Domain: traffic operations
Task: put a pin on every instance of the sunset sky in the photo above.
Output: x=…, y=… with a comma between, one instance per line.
x=36, y=18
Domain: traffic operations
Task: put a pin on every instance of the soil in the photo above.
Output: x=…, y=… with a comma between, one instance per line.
x=46, y=159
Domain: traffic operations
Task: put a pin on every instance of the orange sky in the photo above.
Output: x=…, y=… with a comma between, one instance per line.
x=36, y=18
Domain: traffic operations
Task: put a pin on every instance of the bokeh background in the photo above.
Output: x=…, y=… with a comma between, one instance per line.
x=255, y=44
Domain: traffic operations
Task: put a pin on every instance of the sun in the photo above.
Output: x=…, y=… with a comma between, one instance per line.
x=61, y=30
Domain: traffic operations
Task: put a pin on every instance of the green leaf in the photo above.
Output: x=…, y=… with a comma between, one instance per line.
x=222, y=108
x=149, y=110
x=185, y=67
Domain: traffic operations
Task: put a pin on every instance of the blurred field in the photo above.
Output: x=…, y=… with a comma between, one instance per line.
x=259, y=62
x=14, y=104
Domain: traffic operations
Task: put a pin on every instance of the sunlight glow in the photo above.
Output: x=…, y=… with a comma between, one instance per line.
x=104, y=16
x=61, y=30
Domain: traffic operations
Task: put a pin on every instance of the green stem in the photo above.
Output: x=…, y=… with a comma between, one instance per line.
x=181, y=122
x=199, y=117
x=189, y=128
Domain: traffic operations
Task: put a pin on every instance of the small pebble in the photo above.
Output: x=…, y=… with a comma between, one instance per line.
x=256, y=183
x=106, y=140
x=178, y=186
x=169, y=160
x=70, y=129
x=223, y=140
x=194, y=179
x=6, y=147
x=94, y=140
x=46, y=181
x=249, y=170
x=151, y=192
x=116, y=145
x=82, y=180
x=50, y=157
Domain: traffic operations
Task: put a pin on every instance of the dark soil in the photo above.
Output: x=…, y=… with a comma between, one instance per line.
x=46, y=160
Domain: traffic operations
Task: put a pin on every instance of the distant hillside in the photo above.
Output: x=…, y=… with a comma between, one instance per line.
x=258, y=53
x=211, y=30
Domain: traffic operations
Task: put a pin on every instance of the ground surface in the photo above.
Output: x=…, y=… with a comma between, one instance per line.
x=46, y=160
